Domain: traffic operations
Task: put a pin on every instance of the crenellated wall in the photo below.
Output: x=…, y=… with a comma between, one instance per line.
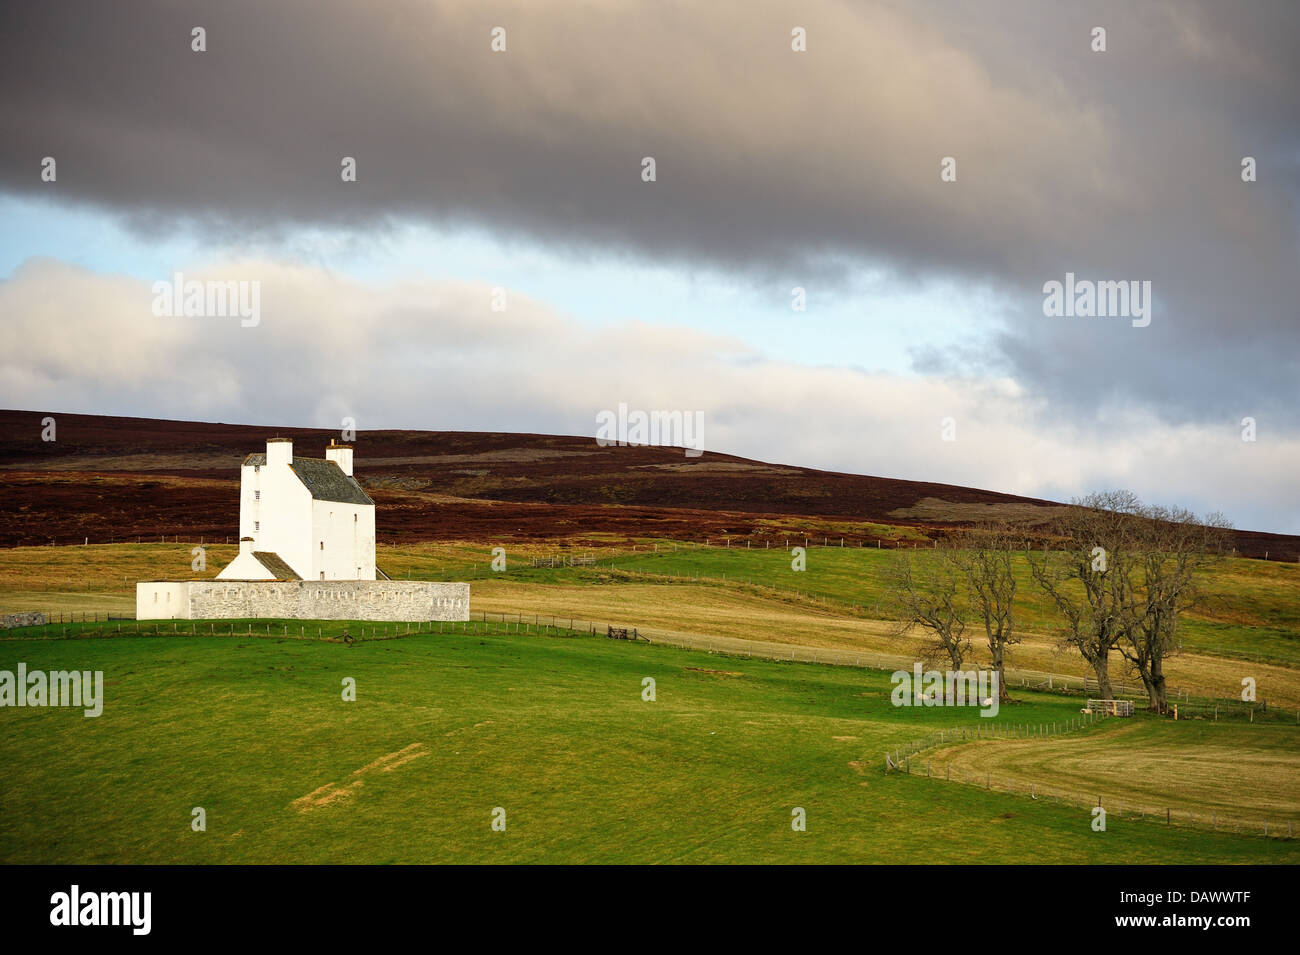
x=301, y=600
x=32, y=619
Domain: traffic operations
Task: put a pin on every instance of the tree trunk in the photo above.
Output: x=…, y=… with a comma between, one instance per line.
x=1004, y=695
x=1101, y=667
x=1156, y=689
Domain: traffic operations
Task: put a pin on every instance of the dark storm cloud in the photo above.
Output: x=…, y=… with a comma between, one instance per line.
x=1122, y=165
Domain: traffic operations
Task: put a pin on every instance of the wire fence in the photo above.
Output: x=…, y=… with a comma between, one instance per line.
x=900, y=760
x=901, y=757
x=1116, y=808
x=590, y=560
x=326, y=631
x=1203, y=704
x=870, y=611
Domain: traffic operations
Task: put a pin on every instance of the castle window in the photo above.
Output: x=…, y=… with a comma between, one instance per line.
x=155, y=596
x=322, y=575
x=257, y=526
x=257, y=495
x=322, y=545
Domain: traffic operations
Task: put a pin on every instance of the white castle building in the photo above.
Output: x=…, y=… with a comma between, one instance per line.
x=306, y=551
x=306, y=516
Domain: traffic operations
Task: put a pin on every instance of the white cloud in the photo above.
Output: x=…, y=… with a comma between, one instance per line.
x=433, y=355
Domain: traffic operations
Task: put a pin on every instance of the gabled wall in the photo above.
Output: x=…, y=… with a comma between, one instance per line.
x=280, y=520
x=348, y=531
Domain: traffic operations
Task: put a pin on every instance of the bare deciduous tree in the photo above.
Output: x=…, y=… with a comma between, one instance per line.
x=1088, y=579
x=932, y=603
x=985, y=559
x=1125, y=578
x=1174, y=545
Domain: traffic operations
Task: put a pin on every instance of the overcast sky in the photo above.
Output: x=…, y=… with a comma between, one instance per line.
x=775, y=168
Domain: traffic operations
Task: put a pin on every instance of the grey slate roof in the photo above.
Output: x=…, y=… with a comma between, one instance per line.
x=327, y=482
x=275, y=564
x=323, y=478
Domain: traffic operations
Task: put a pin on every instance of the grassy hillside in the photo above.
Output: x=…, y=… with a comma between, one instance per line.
x=1249, y=624
x=554, y=730
x=113, y=479
x=116, y=479
x=1140, y=763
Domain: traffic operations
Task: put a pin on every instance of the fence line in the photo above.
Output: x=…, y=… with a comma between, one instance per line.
x=587, y=561
x=360, y=630
x=856, y=541
x=900, y=760
x=872, y=613
x=862, y=659
x=1182, y=817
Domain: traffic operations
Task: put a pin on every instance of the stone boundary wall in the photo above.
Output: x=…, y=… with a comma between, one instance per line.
x=404, y=600
x=9, y=620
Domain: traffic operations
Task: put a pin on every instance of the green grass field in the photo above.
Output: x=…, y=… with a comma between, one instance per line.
x=1250, y=610
x=447, y=727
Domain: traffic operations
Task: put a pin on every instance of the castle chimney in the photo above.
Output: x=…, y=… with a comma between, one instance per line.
x=340, y=454
x=245, y=546
x=279, y=451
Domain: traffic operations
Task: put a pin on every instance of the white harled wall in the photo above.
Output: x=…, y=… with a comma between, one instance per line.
x=348, y=532
x=279, y=513
x=280, y=518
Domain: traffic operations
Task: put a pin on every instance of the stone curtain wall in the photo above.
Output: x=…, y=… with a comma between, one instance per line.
x=402, y=600
x=21, y=620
